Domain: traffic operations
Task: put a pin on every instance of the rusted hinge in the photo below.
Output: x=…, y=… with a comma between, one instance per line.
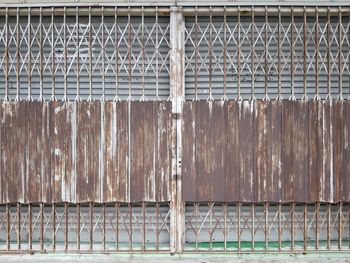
x=176, y=115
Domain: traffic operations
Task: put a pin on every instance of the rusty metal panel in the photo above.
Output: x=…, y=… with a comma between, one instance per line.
x=163, y=151
x=189, y=168
x=315, y=150
x=150, y=157
x=275, y=151
x=232, y=153
x=295, y=151
x=341, y=150
x=246, y=151
x=268, y=150
x=122, y=167
x=80, y=151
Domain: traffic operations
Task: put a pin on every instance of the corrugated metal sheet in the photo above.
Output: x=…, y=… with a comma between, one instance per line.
x=275, y=151
x=85, y=151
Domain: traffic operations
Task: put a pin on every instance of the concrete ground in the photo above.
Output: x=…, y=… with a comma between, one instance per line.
x=40, y=258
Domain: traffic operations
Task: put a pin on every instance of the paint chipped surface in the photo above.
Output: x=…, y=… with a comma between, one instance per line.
x=273, y=151
x=79, y=151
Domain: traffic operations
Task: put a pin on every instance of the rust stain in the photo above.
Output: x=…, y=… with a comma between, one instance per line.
x=79, y=151
x=275, y=151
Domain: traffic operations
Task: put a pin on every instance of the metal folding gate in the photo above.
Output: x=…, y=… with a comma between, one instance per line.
x=177, y=128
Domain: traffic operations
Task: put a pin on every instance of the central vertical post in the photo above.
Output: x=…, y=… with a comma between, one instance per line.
x=177, y=91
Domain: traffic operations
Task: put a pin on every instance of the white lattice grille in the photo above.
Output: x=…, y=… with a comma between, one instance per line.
x=88, y=55
x=267, y=56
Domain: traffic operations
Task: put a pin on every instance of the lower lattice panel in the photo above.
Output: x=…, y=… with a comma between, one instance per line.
x=246, y=228
x=114, y=227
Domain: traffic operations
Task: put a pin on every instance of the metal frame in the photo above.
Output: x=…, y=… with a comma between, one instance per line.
x=85, y=228
x=266, y=227
x=60, y=221
x=256, y=52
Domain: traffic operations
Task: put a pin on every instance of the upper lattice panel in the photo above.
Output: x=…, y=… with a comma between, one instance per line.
x=267, y=53
x=84, y=53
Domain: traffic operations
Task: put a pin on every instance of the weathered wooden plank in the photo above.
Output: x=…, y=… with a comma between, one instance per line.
x=288, y=168
x=21, y=136
x=68, y=179
x=218, y=129
x=203, y=189
x=121, y=149
x=94, y=138
x=232, y=173
x=149, y=147
x=12, y=178
x=6, y=150
x=327, y=153
x=345, y=166
x=34, y=149
x=301, y=152
x=58, y=117
x=315, y=150
x=274, y=171
x=189, y=161
x=163, y=151
x=45, y=153
x=82, y=152
x=261, y=147
x=138, y=128
x=338, y=149
x=107, y=175
x=247, y=165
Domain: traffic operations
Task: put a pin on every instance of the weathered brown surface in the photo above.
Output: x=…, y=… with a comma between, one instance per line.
x=274, y=151
x=80, y=151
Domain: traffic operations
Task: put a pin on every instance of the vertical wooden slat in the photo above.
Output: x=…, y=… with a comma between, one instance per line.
x=149, y=123
x=189, y=161
x=301, y=132
x=137, y=180
x=82, y=152
x=45, y=154
x=315, y=150
x=345, y=166
x=68, y=178
x=327, y=152
x=246, y=148
x=58, y=118
x=20, y=135
x=121, y=150
x=217, y=149
x=261, y=144
x=232, y=189
x=33, y=183
x=163, y=151
x=95, y=137
x=338, y=148
x=107, y=173
x=275, y=176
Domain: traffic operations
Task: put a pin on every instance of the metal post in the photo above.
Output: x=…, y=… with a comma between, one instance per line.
x=177, y=84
